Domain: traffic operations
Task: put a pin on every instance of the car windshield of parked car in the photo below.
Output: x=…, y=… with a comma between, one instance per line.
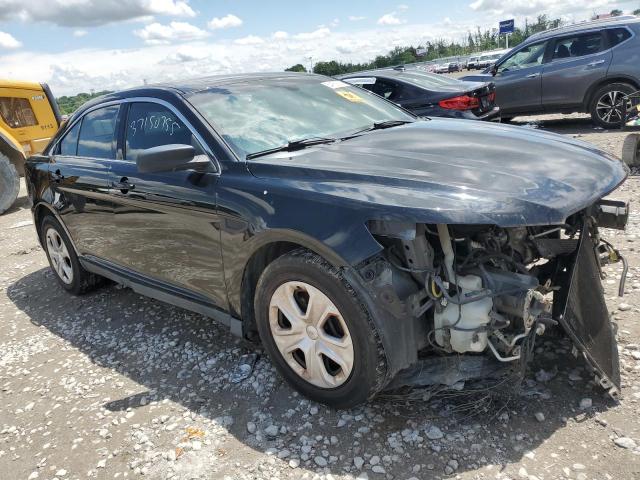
x=259, y=115
x=529, y=56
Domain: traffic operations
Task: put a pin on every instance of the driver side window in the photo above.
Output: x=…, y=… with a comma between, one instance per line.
x=530, y=56
x=153, y=125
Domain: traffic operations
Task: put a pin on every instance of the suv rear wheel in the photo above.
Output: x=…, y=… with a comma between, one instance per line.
x=606, y=106
x=9, y=183
x=317, y=332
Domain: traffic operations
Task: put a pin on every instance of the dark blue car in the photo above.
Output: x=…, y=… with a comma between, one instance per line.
x=426, y=94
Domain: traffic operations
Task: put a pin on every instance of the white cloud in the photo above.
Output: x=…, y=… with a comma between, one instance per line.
x=228, y=21
x=280, y=35
x=390, y=19
x=249, y=40
x=79, y=33
x=335, y=22
x=79, y=70
x=402, y=7
x=553, y=8
x=8, y=41
x=319, y=33
x=157, y=34
x=355, y=18
x=85, y=13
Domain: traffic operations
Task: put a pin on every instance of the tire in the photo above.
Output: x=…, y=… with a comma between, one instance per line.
x=63, y=259
x=606, y=105
x=630, y=147
x=9, y=183
x=352, y=372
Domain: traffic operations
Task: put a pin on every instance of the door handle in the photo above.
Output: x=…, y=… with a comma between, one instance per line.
x=533, y=75
x=123, y=185
x=596, y=63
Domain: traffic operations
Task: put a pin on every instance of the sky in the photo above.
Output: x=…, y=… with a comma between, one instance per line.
x=84, y=45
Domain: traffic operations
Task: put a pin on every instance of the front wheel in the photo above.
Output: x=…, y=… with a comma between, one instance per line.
x=317, y=332
x=607, y=105
x=9, y=183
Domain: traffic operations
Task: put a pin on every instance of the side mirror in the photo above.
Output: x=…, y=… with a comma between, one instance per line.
x=493, y=69
x=167, y=158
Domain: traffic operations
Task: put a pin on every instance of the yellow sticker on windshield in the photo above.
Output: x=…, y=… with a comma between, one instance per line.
x=352, y=97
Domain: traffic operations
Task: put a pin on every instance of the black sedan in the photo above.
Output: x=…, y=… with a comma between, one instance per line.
x=364, y=247
x=427, y=94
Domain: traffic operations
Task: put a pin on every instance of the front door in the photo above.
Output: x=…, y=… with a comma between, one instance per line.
x=519, y=80
x=166, y=223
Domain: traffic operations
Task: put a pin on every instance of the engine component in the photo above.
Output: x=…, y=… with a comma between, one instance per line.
x=461, y=327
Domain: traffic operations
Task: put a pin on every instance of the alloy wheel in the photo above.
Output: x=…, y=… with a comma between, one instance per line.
x=311, y=334
x=59, y=255
x=609, y=107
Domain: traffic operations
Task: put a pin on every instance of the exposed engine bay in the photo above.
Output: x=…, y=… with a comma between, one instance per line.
x=486, y=290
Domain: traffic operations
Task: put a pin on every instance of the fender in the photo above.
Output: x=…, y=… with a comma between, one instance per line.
x=237, y=254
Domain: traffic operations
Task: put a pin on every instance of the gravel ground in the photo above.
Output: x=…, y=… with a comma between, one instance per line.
x=114, y=385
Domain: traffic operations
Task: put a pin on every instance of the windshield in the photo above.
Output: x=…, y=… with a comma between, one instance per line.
x=261, y=114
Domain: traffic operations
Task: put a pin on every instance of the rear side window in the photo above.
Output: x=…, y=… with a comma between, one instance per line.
x=385, y=89
x=17, y=112
x=69, y=144
x=578, y=46
x=152, y=125
x=617, y=35
x=97, y=134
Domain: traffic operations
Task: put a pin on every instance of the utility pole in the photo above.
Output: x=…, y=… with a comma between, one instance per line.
x=311, y=63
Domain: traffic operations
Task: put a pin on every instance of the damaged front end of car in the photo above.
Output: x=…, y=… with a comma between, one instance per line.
x=477, y=296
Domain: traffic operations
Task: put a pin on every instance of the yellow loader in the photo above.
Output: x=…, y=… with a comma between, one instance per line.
x=29, y=117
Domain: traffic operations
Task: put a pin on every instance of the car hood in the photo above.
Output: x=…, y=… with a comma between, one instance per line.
x=452, y=171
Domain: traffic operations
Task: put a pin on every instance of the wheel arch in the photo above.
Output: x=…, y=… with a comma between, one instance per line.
x=265, y=249
x=606, y=81
x=42, y=209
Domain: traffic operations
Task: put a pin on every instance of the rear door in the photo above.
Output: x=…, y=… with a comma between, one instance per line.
x=80, y=179
x=577, y=62
x=519, y=79
x=166, y=223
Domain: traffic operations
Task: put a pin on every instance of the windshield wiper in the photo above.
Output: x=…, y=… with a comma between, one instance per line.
x=293, y=146
x=379, y=126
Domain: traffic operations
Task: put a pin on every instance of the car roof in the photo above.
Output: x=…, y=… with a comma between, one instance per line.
x=195, y=85
x=578, y=27
x=386, y=72
x=188, y=87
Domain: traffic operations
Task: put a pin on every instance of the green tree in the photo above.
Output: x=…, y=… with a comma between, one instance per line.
x=636, y=11
x=298, y=67
x=69, y=104
x=616, y=12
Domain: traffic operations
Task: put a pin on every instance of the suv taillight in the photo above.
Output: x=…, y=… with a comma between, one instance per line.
x=463, y=102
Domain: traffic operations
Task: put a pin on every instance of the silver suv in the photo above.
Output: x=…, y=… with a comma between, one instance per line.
x=586, y=67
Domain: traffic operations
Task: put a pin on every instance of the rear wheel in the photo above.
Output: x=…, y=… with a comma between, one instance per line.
x=607, y=103
x=631, y=150
x=63, y=259
x=9, y=183
x=317, y=332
